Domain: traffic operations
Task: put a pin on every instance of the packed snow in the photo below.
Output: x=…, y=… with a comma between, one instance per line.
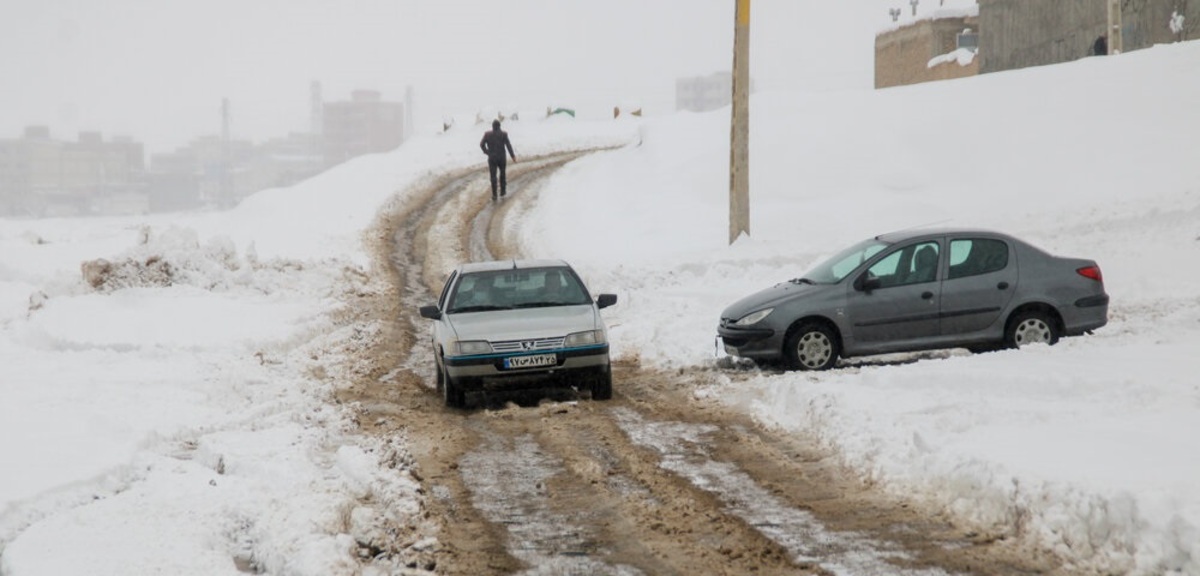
x=177, y=418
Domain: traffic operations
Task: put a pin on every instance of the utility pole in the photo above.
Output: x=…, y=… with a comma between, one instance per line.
x=739, y=131
x=1114, y=27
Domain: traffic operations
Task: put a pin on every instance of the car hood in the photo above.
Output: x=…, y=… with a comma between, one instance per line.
x=771, y=297
x=525, y=323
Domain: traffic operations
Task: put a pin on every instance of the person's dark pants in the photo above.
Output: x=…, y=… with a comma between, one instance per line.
x=495, y=165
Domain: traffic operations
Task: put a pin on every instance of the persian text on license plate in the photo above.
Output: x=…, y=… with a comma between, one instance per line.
x=530, y=361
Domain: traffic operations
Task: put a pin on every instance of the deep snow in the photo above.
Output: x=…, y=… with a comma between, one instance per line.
x=176, y=428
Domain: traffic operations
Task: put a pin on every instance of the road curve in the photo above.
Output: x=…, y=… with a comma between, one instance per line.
x=655, y=481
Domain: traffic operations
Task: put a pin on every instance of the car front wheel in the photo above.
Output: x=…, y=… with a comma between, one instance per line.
x=1031, y=327
x=811, y=347
x=452, y=392
x=602, y=386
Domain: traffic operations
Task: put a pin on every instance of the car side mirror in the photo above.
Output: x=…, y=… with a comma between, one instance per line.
x=867, y=283
x=431, y=312
x=606, y=300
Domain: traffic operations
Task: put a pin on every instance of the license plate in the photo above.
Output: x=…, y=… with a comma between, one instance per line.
x=530, y=361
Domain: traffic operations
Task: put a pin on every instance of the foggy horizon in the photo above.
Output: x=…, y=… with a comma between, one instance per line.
x=158, y=72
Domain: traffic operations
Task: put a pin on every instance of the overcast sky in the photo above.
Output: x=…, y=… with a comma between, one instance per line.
x=157, y=70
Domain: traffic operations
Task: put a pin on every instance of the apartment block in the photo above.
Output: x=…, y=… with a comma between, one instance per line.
x=366, y=124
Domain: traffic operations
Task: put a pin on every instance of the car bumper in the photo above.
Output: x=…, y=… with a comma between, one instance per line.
x=1087, y=314
x=489, y=372
x=749, y=342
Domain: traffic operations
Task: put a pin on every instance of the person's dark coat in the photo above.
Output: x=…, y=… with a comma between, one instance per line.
x=495, y=142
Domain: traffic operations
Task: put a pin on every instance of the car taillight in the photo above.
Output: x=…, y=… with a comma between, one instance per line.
x=1092, y=272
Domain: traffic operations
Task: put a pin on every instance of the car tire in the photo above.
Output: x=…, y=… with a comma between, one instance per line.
x=441, y=376
x=602, y=386
x=452, y=392
x=1031, y=327
x=812, y=346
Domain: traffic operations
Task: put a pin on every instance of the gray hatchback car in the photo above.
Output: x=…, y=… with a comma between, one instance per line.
x=918, y=290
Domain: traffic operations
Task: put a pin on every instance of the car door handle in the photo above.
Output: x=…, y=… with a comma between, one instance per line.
x=1002, y=286
x=926, y=295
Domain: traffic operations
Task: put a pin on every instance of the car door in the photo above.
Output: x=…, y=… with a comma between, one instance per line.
x=904, y=306
x=980, y=281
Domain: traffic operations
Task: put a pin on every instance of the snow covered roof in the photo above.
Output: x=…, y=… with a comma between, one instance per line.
x=925, y=10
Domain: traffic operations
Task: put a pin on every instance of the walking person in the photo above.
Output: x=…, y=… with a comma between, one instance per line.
x=494, y=144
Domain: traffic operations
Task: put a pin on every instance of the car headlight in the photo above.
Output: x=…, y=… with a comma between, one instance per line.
x=585, y=338
x=754, y=318
x=470, y=347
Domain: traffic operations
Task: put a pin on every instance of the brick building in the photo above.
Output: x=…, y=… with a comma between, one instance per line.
x=919, y=51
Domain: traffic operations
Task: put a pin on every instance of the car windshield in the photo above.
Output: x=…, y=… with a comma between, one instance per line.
x=840, y=265
x=511, y=289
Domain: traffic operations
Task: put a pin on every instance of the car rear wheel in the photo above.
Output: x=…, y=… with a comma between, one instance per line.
x=1031, y=327
x=813, y=346
x=602, y=386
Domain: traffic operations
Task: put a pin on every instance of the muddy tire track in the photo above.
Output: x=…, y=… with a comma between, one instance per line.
x=655, y=481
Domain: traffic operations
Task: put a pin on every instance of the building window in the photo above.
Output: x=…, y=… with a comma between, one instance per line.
x=967, y=39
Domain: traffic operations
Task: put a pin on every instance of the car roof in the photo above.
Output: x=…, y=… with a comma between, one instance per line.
x=918, y=233
x=495, y=265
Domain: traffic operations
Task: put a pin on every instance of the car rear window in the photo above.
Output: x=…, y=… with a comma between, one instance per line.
x=974, y=256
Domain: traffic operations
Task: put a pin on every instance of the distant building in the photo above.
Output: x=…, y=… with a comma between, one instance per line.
x=284, y=161
x=1023, y=33
x=704, y=93
x=174, y=181
x=203, y=173
x=922, y=50
x=211, y=171
x=366, y=124
x=1013, y=34
x=41, y=176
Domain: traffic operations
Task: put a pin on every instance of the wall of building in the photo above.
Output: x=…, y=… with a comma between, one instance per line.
x=1022, y=33
x=902, y=56
x=364, y=125
x=40, y=175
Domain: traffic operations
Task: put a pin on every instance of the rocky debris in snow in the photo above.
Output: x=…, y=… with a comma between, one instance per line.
x=105, y=276
x=37, y=300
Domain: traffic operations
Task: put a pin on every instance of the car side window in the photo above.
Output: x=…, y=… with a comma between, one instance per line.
x=446, y=290
x=909, y=265
x=974, y=256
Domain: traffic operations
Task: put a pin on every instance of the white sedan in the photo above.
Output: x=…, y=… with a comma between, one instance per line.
x=518, y=324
